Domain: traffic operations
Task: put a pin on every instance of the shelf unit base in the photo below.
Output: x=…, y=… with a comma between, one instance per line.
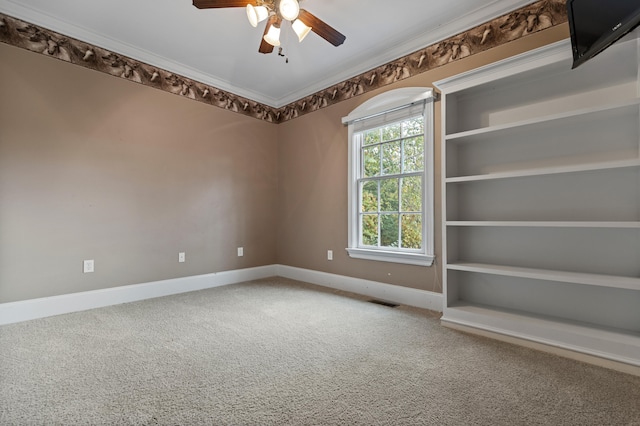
x=605, y=348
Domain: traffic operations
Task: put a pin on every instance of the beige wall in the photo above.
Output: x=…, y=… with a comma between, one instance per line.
x=313, y=181
x=95, y=167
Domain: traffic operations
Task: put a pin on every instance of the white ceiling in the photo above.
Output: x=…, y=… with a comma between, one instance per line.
x=219, y=47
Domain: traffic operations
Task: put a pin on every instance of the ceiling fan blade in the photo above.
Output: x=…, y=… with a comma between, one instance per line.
x=211, y=4
x=264, y=46
x=321, y=28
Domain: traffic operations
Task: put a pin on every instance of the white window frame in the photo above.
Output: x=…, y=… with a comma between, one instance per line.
x=388, y=107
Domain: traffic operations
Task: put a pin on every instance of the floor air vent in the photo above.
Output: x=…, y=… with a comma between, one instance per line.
x=383, y=303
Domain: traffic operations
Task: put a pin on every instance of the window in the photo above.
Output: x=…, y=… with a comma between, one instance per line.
x=391, y=177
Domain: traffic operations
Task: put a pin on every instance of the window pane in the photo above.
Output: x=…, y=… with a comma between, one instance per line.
x=389, y=195
x=412, y=231
x=370, y=229
x=391, y=132
x=371, y=161
x=412, y=127
x=389, y=230
x=391, y=158
x=412, y=194
x=371, y=136
x=414, y=155
x=369, y=197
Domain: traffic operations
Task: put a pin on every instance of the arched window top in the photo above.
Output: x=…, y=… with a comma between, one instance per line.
x=390, y=101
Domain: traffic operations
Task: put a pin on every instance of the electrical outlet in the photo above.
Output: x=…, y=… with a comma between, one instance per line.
x=88, y=266
x=181, y=257
x=240, y=251
x=329, y=254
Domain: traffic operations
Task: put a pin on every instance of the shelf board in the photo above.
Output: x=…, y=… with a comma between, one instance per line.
x=618, y=345
x=544, y=224
x=580, y=114
x=611, y=281
x=604, y=165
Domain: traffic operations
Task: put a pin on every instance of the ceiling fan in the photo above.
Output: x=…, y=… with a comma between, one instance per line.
x=274, y=12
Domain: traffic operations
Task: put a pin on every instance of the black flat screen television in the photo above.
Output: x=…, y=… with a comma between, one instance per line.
x=596, y=24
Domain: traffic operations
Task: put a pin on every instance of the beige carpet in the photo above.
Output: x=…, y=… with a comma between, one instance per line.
x=278, y=352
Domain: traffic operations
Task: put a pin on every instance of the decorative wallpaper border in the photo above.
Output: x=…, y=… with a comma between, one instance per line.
x=512, y=26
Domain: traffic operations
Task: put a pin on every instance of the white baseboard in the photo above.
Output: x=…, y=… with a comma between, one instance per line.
x=25, y=310
x=387, y=292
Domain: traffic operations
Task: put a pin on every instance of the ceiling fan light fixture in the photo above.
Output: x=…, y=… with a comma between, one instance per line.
x=256, y=14
x=273, y=36
x=301, y=29
x=289, y=9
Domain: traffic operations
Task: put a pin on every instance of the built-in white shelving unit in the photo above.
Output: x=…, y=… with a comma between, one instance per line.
x=541, y=199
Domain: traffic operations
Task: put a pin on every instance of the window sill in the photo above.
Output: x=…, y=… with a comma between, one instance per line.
x=391, y=256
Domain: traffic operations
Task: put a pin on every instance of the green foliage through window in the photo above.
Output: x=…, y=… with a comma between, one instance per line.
x=391, y=188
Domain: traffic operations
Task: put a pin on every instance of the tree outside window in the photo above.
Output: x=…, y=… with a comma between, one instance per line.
x=391, y=185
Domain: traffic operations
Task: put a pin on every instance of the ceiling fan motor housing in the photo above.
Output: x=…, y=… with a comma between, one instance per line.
x=277, y=10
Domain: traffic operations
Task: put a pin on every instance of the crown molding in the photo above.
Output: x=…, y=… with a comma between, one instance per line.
x=362, y=64
x=17, y=10
x=366, y=61
x=85, y=48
